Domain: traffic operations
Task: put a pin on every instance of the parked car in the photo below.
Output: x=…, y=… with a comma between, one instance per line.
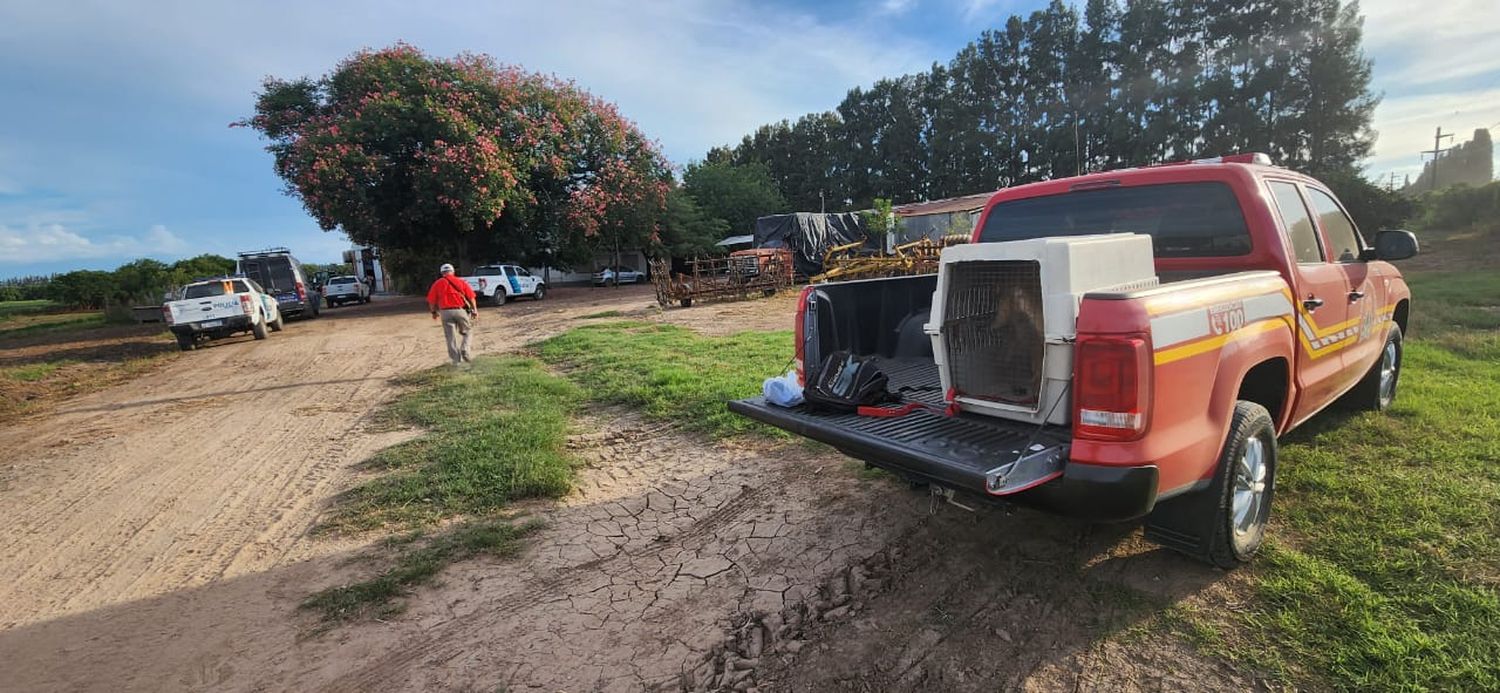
x=1160, y=397
x=345, y=289
x=626, y=275
x=500, y=283
x=220, y=307
x=282, y=276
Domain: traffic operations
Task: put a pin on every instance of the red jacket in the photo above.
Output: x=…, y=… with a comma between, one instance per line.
x=449, y=292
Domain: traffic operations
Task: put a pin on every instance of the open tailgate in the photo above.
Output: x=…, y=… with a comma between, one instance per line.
x=967, y=452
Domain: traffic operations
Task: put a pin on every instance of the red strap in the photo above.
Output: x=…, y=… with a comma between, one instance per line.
x=902, y=410
x=890, y=412
x=462, y=298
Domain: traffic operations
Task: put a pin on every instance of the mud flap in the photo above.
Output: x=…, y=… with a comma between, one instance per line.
x=1179, y=523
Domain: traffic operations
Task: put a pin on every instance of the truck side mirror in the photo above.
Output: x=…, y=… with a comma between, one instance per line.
x=1395, y=244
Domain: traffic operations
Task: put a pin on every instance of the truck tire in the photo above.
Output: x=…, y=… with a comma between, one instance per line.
x=540, y=293
x=185, y=342
x=278, y=323
x=499, y=297
x=1377, y=389
x=258, y=328
x=1225, y=524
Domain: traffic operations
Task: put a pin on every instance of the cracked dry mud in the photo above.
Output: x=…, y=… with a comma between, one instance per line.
x=678, y=564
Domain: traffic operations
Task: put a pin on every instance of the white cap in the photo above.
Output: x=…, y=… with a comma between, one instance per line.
x=445, y=269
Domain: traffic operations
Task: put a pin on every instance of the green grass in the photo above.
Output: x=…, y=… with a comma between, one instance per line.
x=495, y=433
x=10, y=309
x=601, y=314
x=31, y=324
x=417, y=561
x=32, y=372
x=1387, y=575
x=671, y=373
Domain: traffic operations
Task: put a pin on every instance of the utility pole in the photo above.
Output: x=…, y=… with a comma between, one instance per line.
x=1077, y=157
x=822, y=204
x=1390, y=185
x=1437, y=152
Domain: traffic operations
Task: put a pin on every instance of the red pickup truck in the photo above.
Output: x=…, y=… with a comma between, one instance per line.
x=1268, y=305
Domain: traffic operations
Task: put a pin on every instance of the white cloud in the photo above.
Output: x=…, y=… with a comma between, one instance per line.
x=1437, y=66
x=896, y=6
x=693, y=73
x=53, y=242
x=1417, y=44
x=982, y=11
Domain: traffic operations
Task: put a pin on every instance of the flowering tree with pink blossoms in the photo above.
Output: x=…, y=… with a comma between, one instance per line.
x=462, y=159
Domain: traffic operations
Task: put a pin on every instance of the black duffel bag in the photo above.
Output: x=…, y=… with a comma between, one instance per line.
x=845, y=382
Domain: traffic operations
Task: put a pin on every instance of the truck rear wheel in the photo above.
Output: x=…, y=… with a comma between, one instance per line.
x=1378, y=388
x=499, y=297
x=1225, y=524
x=185, y=342
x=258, y=328
x=278, y=323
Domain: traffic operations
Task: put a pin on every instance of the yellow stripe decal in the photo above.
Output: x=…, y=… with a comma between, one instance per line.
x=1214, y=343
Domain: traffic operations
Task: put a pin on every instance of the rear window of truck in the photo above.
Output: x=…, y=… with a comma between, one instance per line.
x=1182, y=219
x=205, y=290
x=274, y=272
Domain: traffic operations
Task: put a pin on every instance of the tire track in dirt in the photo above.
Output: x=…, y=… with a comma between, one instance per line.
x=631, y=576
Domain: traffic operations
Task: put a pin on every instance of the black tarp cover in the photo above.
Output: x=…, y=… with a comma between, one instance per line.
x=809, y=235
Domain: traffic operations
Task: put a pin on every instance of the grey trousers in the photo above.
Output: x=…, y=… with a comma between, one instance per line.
x=456, y=323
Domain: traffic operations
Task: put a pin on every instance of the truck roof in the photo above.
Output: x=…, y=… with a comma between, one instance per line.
x=1246, y=167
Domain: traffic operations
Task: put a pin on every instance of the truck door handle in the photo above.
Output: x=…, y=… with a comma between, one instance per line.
x=1355, y=296
x=1312, y=303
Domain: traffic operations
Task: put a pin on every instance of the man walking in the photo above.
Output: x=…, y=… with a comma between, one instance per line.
x=451, y=299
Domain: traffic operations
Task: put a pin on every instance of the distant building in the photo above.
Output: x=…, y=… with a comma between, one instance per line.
x=938, y=218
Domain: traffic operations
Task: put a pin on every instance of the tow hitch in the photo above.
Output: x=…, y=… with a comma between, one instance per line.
x=940, y=495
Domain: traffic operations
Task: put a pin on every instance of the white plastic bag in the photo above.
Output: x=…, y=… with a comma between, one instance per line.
x=783, y=391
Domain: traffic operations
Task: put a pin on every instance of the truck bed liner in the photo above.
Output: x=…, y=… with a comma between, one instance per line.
x=953, y=451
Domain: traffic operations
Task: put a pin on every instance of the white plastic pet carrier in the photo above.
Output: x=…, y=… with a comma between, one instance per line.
x=1004, y=316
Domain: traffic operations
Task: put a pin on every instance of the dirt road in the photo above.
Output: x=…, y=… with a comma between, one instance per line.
x=159, y=541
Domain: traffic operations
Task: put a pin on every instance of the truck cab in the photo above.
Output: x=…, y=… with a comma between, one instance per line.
x=1259, y=304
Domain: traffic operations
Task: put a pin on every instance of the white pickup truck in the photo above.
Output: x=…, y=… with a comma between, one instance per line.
x=214, y=308
x=345, y=289
x=500, y=283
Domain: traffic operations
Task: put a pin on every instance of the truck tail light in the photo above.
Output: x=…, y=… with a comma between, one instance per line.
x=245, y=303
x=166, y=314
x=301, y=292
x=1111, y=387
x=801, y=331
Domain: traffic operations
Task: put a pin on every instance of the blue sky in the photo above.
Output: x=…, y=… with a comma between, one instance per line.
x=114, y=137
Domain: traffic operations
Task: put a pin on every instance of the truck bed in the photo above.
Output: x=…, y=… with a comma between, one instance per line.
x=955, y=452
